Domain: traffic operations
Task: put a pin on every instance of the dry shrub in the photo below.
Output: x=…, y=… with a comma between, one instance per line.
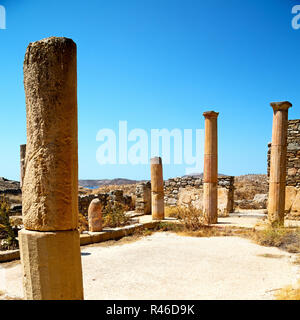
x=7, y=232
x=114, y=215
x=284, y=238
x=83, y=224
x=171, y=212
x=289, y=293
x=190, y=217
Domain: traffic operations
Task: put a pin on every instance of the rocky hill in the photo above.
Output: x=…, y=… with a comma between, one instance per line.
x=95, y=184
x=9, y=186
x=92, y=184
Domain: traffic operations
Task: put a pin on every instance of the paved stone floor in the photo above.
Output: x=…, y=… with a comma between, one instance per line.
x=169, y=266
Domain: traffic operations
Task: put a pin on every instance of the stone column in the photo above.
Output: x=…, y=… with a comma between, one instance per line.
x=49, y=244
x=157, y=189
x=22, y=163
x=143, y=198
x=210, y=172
x=277, y=180
x=95, y=216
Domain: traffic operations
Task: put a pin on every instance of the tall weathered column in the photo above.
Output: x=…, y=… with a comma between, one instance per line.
x=49, y=244
x=277, y=180
x=22, y=163
x=210, y=172
x=157, y=189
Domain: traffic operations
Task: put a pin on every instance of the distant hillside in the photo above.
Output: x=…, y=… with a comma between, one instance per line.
x=200, y=175
x=92, y=184
x=248, y=185
x=9, y=186
x=95, y=184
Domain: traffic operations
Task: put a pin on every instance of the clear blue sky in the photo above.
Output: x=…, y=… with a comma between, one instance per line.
x=159, y=64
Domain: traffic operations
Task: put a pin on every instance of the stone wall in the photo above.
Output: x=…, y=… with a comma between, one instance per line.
x=143, y=198
x=292, y=205
x=185, y=190
x=112, y=197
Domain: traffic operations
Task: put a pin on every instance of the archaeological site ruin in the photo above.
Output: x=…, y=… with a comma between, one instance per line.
x=56, y=217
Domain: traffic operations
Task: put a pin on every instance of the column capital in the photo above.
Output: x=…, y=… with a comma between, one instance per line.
x=155, y=160
x=280, y=106
x=210, y=114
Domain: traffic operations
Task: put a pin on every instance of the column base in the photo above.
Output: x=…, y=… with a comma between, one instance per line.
x=210, y=202
x=158, y=206
x=276, y=205
x=51, y=264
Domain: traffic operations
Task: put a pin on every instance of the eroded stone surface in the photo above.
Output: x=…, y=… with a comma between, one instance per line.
x=95, y=216
x=51, y=265
x=277, y=183
x=49, y=244
x=157, y=189
x=210, y=171
x=50, y=184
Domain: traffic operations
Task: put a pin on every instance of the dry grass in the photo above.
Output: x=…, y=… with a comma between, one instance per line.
x=83, y=224
x=171, y=212
x=297, y=260
x=7, y=232
x=289, y=293
x=203, y=231
x=190, y=217
x=114, y=216
x=287, y=239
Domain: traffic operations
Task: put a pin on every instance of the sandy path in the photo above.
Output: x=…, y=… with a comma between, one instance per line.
x=167, y=266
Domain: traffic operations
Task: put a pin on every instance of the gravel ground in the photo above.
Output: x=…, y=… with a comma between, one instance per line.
x=168, y=266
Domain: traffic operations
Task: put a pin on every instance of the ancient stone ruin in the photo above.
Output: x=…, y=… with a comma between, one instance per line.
x=143, y=198
x=277, y=179
x=210, y=171
x=292, y=199
x=157, y=189
x=95, y=216
x=50, y=241
x=181, y=191
x=110, y=198
x=49, y=244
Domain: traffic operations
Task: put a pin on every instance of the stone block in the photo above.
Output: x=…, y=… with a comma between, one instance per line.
x=51, y=265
